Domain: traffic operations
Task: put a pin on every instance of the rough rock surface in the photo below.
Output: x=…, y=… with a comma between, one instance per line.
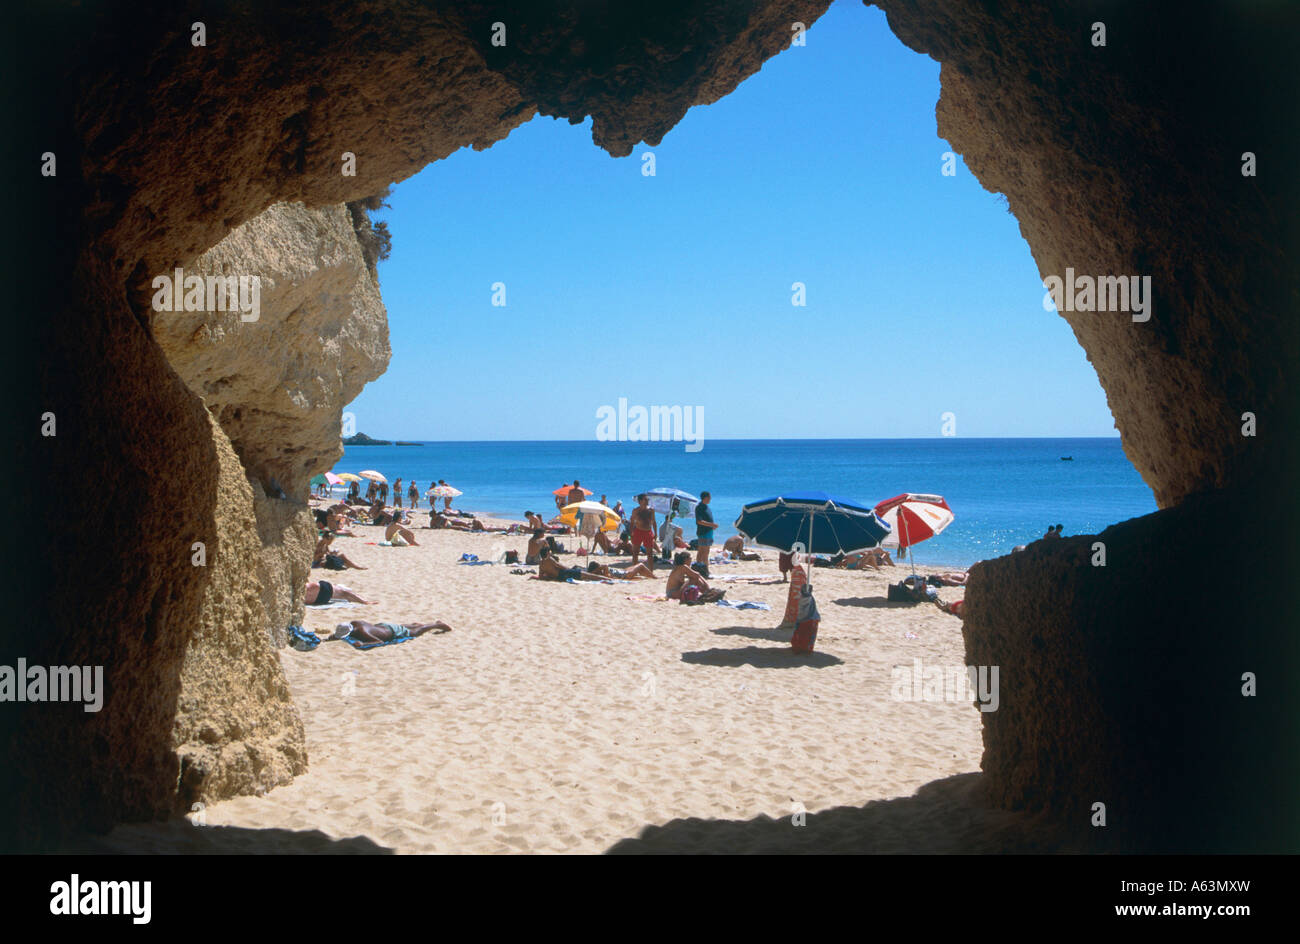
x=278, y=385
x=236, y=729
x=1124, y=159
x=1123, y=683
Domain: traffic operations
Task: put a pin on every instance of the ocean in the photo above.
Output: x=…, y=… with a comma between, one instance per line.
x=1003, y=492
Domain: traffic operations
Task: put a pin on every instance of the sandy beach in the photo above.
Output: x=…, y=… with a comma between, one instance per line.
x=582, y=718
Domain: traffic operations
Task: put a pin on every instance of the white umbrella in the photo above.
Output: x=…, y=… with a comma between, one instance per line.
x=373, y=476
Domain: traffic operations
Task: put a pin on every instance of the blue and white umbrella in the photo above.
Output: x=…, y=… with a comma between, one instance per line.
x=661, y=500
x=812, y=523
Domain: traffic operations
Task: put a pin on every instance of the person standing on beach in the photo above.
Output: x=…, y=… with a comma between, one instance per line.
x=643, y=530
x=413, y=494
x=446, y=502
x=704, y=528
x=397, y=494
x=383, y=492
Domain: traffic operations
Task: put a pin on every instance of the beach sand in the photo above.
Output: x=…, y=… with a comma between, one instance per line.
x=570, y=718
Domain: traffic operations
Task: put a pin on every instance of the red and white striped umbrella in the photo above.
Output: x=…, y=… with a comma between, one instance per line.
x=913, y=518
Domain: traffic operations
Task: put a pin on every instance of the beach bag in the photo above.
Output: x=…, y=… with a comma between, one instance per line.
x=512, y=557
x=691, y=594
x=805, y=633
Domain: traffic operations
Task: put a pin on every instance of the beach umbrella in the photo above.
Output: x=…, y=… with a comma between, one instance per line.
x=569, y=514
x=817, y=522
x=319, y=479
x=349, y=477
x=373, y=476
x=661, y=500
x=332, y=479
x=445, y=491
x=913, y=518
x=565, y=489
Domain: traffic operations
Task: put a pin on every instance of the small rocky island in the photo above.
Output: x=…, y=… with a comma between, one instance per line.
x=361, y=439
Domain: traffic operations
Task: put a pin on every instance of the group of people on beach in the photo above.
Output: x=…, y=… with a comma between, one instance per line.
x=637, y=533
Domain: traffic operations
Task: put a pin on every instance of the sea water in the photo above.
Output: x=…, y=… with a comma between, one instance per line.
x=1003, y=492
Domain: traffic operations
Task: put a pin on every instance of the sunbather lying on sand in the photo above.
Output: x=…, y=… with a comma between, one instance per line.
x=955, y=579
x=439, y=522
x=639, y=572
x=548, y=568
x=955, y=607
x=359, y=631
x=683, y=576
x=320, y=592
x=876, y=557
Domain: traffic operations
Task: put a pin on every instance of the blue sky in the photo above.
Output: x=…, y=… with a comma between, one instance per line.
x=823, y=168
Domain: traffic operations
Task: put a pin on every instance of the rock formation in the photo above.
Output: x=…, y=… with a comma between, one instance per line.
x=278, y=385
x=1123, y=159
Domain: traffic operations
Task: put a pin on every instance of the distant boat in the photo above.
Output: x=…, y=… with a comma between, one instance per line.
x=1067, y=458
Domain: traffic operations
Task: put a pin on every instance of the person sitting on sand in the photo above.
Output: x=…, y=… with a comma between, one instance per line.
x=400, y=536
x=735, y=548
x=534, y=520
x=336, y=522
x=639, y=572
x=683, y=576
x=320, y=592
x=548, y=568
x=535, y=546
x=612, y=545
x=359, y=631
x=378, y=515
x=330, y=559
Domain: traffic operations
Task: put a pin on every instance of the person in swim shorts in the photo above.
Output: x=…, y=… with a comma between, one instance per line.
x=643, y=530
x=359, y=631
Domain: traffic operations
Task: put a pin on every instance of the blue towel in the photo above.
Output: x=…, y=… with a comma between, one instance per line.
x=302, y=640
x=743, y=605
x=371, y=645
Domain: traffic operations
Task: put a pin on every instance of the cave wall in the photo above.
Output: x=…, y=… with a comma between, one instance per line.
x=1123, y=661
x=163, y=149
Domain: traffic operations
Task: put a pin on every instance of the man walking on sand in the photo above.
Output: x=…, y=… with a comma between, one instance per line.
x=704, y=528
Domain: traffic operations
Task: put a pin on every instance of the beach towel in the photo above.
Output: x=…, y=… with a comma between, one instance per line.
x=744, y=605
x=472, y=559
x=329, y=606
x=355, y=644
x=302, y=640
